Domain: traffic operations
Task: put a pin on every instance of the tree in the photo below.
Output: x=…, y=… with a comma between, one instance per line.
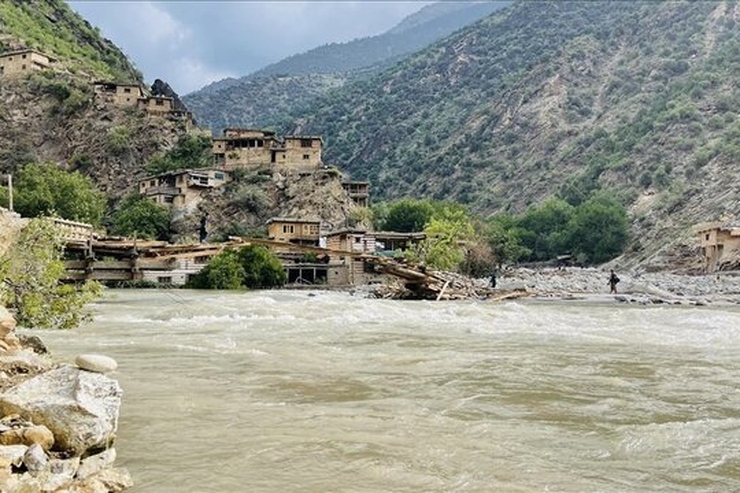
x=43, y=189
x=408, y=215
x=31, y=271
x=141, y=216
x=252, y=266
x=444, y=245
x=224, y=271
x=504, y=237
x=545, y=228
x=262, y=269
x=599, y=229
x=190, y=151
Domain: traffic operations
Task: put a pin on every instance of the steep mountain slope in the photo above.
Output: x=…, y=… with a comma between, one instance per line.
x=258, y=99
x=52, y=115
x=549, y=98
x=52, y=27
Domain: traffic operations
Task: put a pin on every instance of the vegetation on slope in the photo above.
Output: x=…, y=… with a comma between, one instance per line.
x=554, y=98
x=51, y=27
x=263, y=97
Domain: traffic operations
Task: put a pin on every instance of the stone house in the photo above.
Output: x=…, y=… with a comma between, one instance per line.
x=720, y=243
x=23, y=61
x=296, y=231
x=351, y=269
x=182, y=189
x=157, y=104
x=121, y=95
x=246, y=148
x=358, y=192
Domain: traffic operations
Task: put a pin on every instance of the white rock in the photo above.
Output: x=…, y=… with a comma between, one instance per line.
x=13, y=453
x=96, y=463
x=35, y=458
x=81, y=408
x=96, y=362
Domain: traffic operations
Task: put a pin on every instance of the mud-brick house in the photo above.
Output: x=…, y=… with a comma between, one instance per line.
x=390, y=241
x=358, y=192
x=251, y=148
x=23, y=61
x=720, y=243
x=296, y=231
x=121, y=95
x=182, y=189
x=355, y=267
x=156, y=104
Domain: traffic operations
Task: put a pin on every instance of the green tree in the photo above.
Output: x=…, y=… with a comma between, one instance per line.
x=252, y=266
x=190, y=151
x=408, y=215
x=141, y=216
x=545, y=228
x=42, y=189
x=599, y=229
x=31, y=271
x=444, y=247
x=262, y=269
x=504, y=237
x=224, y=271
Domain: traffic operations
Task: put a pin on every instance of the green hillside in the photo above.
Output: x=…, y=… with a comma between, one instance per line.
x=548, y=98
x=52, y=27
x=260, y=98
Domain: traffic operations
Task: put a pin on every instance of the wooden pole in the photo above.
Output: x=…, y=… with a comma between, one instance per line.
x=10, y=193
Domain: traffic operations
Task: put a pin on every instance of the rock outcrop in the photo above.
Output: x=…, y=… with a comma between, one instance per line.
x=57, y=422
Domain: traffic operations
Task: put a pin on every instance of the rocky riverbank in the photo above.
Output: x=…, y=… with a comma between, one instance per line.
x=57, y=421
x=591, y=284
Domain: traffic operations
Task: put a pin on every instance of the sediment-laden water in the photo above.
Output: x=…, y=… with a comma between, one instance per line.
x=327, y=392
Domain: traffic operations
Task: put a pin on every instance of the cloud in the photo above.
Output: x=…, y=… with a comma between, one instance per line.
x=190, y=44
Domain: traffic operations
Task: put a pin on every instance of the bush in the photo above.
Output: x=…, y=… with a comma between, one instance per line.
x=31, y=271
x=46, y=190
x=140, y=216
x=252, y=266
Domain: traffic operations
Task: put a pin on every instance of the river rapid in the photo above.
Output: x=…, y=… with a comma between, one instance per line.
x=295, y=391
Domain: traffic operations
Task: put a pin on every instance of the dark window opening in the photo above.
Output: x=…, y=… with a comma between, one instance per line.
x=306, y=156
x=306, y=143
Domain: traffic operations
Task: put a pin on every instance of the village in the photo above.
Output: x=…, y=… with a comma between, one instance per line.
x=313, y=253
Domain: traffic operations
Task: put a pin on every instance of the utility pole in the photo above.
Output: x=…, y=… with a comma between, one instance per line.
x=10, y=192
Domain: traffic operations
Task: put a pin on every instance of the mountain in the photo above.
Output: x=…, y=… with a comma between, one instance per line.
x=556, y=98
x=53, y=28
x=52, y=114
x=256, y=100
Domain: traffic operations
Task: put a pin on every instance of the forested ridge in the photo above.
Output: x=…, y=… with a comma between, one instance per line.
x=559, y=99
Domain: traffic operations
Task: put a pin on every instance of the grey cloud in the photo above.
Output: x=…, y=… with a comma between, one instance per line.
x=190, y=44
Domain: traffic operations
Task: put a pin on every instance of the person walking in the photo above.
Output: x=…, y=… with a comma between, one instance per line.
x=613, y=281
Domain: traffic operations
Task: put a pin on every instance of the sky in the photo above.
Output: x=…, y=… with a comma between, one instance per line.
x=190, y=44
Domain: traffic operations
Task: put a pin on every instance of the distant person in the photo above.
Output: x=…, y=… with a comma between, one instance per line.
x=203, y=230
x=613, y=281
x=493, y=279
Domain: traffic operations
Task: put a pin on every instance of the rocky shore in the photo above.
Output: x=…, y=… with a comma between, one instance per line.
x=591, y=284
x=58, y=422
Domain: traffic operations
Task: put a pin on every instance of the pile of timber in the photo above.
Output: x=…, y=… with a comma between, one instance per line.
x=413, y=282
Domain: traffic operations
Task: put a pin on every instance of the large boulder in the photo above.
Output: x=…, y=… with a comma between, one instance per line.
x=81, y=408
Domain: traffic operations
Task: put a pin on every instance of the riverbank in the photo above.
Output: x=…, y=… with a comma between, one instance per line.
x=591, y=284
x=58, y=421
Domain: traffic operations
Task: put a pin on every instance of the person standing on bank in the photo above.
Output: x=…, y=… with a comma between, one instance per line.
x=613, y=280
x=493, y=278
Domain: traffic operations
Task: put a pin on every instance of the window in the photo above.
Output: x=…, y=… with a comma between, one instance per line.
x=127, y=90
x=288, y=228
x=313, y=229
x=707, y=237
x=159, y=102
x=168, y=200
x=306, y=143
x=152, y=183
x=306, y=156
x=24, y=57
x=23, y=67
x=219, y=176
x=164, y=279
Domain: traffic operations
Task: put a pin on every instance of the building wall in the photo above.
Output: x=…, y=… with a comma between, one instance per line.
x=302, y=152
x=293, y=230
x=156, y=104
x=717, y=244
x=22, y=62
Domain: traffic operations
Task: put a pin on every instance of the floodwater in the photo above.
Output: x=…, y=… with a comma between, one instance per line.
x=288, y=391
